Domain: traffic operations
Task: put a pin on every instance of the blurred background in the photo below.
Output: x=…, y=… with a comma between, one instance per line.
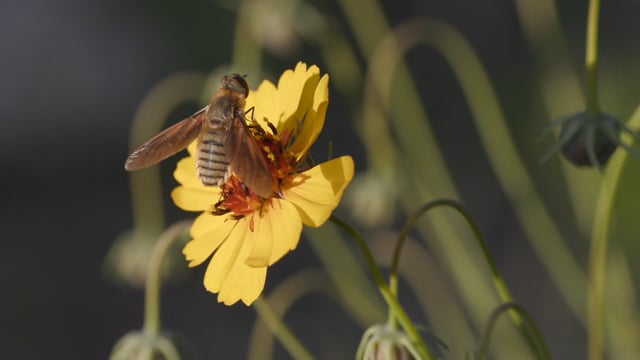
x=74, y=73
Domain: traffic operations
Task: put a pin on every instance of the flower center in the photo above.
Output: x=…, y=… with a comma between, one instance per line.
x=239, y=200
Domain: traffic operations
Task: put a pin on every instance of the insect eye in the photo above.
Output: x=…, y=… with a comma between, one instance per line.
x=237, y=83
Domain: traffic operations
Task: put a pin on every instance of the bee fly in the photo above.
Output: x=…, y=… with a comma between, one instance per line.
x=225, y=144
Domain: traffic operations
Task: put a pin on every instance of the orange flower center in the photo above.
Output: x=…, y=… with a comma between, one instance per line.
x=236, y=197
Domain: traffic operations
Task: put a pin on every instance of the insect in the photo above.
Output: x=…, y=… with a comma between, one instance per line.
x=225, y=144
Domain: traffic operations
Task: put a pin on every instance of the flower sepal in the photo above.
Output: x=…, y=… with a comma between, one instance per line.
x=588, y=139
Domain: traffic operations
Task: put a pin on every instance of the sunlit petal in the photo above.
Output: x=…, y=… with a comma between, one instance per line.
x=261, y=240
x=264, y=102
x=203, y=245
x=317, y=191
x=243, y=282
x=277, y=233
x=240, y=282
x=224, y=259
x=314, y=119
x=185, y=173
x=286, y=229
x=295, y=91
x=191, y=199
x=205, y=222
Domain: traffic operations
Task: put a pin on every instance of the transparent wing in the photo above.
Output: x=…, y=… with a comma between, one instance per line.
x=246, y=159
x=167, y=142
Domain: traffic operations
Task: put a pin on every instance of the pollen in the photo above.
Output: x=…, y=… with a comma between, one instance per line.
x=238, y=200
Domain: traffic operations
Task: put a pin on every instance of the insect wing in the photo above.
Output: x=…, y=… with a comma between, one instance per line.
x=167, y=142
x=246, y=159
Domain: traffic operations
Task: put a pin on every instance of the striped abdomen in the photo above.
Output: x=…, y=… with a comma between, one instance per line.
x=212, y=163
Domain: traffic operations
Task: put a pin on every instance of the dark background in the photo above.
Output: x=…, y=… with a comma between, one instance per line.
x=72, y=75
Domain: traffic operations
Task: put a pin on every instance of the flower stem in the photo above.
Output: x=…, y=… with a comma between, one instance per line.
x=146, y=188
x=528, y=320
x=600, y=233
x=591, y=57
x=154, y=276
x=247, y=49
x=387, y=295
x=498, y=280
x=280, y=329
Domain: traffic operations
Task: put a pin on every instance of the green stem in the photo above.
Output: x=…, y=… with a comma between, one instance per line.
x=280, y=329
x=146, y=188
x=498, y=280
x=387, y=295
x=154, y=276
x=591, y=57
x=282, y=298
x=524, y=314
x=599, y=242
x=504, y=155
x=247, y=49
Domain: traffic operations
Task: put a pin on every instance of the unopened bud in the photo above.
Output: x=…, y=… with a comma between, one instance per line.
x=585, y=134
x=138, y=345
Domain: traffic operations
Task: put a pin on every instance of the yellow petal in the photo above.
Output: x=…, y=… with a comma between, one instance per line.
x=243, y=283
x=205, y=222
x=317, y=191
x=204, y=244
x=192, y=148
x=224, y=259
x=261, y=240
x=229, y=276
x=296, y=90
x=191, y=199
x=192, y=195
x=185, y=173
x=314, y=119
x=264, y=102
x=287, y=228
x=276, y=233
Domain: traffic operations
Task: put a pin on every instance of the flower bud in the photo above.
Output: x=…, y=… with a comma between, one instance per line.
x=138, y=345
x=381, y=342
x=128, y=259
x=587, y=137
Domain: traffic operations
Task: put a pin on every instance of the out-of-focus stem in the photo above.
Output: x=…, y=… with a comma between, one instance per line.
x=591, y=57
x=154, y=276
x=146, y=187
x=280, y=329
x=503, y=154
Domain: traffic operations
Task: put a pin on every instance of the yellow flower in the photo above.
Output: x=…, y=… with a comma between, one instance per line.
x=246, y=233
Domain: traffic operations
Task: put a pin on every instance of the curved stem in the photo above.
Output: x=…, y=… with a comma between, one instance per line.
x=591, y=56
x=498, y=280
x=503, y=155
x=146, y=188
x=282, y=298
x=280, y=329
x=154, y=276
x=543, y=352
x=387, y=295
